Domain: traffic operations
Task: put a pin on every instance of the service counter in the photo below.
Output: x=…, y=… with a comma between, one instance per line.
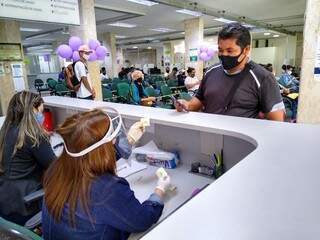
x=271, y=188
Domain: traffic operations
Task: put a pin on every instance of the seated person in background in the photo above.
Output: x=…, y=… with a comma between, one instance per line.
x=84, y=198
x=122, y=73
x=191, y=82
x=288, y=83
x=103, y=74
x=25, y=152
x=166, y=74
x=173, y=74
x=138, y=94
x=61, y=76
x=181, y=77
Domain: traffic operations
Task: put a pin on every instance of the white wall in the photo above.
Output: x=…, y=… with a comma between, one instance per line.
x=140, y=57
x=264, y=55
x=286, y=51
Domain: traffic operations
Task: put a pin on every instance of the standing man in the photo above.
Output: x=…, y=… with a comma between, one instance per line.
x=237, y=86
x=86, y=90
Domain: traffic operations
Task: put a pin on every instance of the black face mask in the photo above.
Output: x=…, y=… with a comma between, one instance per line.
x=229, y=62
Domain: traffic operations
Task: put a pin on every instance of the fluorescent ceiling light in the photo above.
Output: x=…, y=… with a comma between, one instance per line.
x=149, y=47
x=120, y=37
x=267, y=34
x=23, y=29
x=162, y=29
x=189, y=12
x=276, y=35
x=248, y=25
x=144, y=2
x=124, y=25
x=134, y=47
x=224, y=20
x=183, y=33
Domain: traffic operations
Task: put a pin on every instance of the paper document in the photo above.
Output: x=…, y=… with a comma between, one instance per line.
x=125, y=170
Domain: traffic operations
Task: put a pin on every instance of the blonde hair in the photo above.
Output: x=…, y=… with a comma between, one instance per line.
x=20, y=113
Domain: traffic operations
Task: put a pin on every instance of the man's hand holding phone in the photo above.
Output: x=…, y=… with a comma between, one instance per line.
x=180, y=105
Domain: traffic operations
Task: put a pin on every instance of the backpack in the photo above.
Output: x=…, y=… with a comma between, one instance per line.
x=73, y=81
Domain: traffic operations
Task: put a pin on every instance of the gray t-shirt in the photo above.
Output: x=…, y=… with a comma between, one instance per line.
x=258, y=92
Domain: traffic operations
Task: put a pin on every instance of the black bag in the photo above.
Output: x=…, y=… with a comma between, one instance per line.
x=74, y=80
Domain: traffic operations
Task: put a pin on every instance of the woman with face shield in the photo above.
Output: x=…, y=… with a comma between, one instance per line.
x=84, y=198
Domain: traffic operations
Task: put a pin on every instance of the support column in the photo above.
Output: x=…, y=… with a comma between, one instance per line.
x=193, y=38
x=10, y=33
x=87, y=30
x=111, y=61
x=168, y=54
x=309, y=97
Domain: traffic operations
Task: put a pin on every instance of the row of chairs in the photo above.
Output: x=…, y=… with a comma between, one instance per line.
x=52, y=86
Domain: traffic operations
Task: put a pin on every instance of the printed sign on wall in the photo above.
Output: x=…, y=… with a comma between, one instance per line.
x=54, y=11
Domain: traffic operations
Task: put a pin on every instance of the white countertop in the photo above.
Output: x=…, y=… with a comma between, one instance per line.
x=274, y=193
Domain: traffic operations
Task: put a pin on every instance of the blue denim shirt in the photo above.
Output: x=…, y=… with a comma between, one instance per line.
x=115, y=211
x=289, y=81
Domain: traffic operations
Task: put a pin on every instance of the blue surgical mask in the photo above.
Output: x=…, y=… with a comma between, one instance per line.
x=39, y=117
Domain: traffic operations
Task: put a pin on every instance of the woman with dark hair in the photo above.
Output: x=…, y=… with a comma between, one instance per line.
x=84, y=198
x=25, y=153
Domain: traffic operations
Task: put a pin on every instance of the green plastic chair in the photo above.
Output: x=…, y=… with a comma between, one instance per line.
x=150, y=92
x=114, y=84
x=123, y=90
x=165, y=90
x=159, y=84
x=9, y=230
x=107, y=95
x=49, y=79
x=61, y=89
x=52, y=86
x=172, y=83
x=185, y=96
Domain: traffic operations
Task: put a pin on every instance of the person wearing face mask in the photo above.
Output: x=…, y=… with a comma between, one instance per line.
x=86, y=91
x=237, y=86
x=25, y=152
x=191, y=82
x=288, y=83
x=137, y=91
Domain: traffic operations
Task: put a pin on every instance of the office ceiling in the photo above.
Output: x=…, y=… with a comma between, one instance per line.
x=284, y=16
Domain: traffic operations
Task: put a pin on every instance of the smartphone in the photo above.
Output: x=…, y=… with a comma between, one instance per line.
x=176, y=102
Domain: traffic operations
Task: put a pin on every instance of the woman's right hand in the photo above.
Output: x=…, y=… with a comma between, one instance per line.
x=163, y=184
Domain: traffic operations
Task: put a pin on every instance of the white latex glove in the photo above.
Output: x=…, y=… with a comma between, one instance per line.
x=135, y=132
x=164, y=183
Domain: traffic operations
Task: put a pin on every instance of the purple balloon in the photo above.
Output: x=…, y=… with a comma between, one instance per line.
x=64, y=51
x=211, y=52
x=204, y=49
x=75, y=56
x=101, y=51
x=93, y=44
x=203, y=56
x=207, y=58
x=101, y=58
x=93, y=56
x=75, y=43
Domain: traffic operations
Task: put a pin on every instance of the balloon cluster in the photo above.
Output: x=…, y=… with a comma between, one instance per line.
x=205, y=53
x=71, y=51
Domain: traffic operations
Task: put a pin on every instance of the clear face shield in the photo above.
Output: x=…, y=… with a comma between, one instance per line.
x=116, y=125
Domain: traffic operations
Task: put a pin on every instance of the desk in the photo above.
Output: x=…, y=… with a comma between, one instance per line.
x=272, y=193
